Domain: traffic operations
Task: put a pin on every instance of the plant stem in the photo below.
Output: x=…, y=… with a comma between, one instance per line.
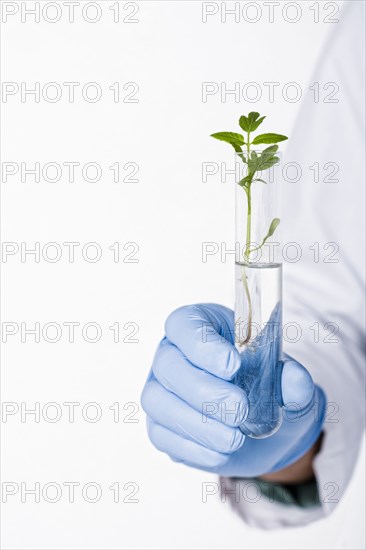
x=249, y=223
x=250, y=312
x=247, y=252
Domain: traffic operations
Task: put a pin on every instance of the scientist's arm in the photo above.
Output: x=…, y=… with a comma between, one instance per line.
x=325, y=292
x=300, y=471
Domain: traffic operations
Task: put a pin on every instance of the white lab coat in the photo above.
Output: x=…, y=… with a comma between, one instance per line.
x=323, y=292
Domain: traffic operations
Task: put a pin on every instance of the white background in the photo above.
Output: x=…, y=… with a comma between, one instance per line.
x=169, y=213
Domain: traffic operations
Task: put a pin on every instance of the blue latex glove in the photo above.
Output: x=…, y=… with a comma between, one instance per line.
x=191, y=373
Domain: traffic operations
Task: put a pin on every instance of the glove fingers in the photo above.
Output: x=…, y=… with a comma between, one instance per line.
x=169, y=411
x=297, y=386
x=184, y=450
x=199, y=332
x=202, y=391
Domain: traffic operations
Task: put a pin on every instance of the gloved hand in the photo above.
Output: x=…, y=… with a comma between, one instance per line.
x=190, y=371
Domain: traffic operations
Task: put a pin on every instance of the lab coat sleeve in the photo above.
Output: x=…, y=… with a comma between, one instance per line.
x=324, y=290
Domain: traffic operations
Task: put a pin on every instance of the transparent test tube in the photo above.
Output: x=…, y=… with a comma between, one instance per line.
x=258, y=303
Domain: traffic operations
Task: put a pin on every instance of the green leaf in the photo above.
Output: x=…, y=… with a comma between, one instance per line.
x=244, y=182
x=271, y=149
x=253, y=163
x=262, y=162
x=255, y=123
x=243, y=123
x=267, y=162
x=229, y=137
x=236, y=140
x=259, y=179
x=268, y=158
x=251, y=122
x=268, y=138
x=272, y=228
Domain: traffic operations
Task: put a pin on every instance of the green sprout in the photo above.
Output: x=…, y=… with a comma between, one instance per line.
x=256, y=163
